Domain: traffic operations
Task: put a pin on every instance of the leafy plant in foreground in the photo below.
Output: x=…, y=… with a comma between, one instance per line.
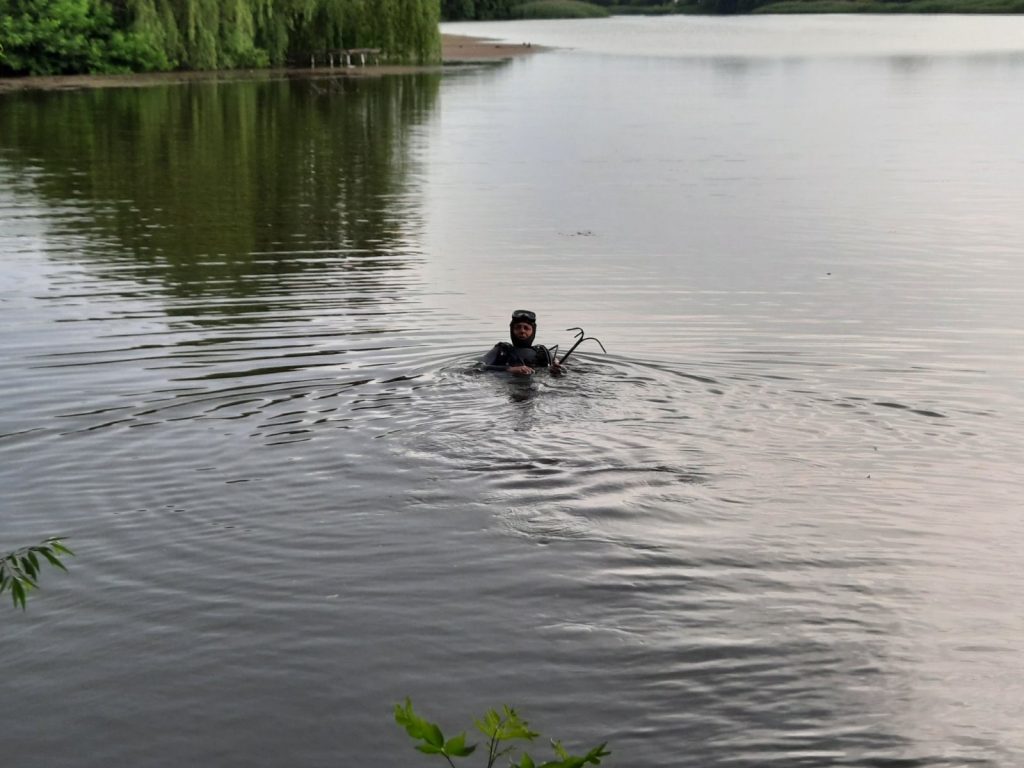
x=19, y=570
x=498, y=729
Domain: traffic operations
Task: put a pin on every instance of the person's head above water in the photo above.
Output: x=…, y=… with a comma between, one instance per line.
x=521, y=357
x=523, y=328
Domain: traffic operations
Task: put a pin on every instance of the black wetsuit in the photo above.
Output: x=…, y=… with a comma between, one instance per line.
x=503, y=355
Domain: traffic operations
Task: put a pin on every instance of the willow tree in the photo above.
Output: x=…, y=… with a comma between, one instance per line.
x=222, y=34
x=51, y=36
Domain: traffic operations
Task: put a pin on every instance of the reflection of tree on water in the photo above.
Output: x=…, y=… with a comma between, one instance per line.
x=229, y=191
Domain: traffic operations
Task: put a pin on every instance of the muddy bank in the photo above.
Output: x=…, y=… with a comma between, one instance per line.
x=456, y=48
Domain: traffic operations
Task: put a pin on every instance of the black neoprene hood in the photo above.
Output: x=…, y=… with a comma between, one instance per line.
x=523, y=316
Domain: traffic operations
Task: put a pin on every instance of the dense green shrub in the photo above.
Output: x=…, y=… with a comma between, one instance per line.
x=64, y=36
x=46, y=37
x=558, y=9
x=648, y=10
x=479, y=10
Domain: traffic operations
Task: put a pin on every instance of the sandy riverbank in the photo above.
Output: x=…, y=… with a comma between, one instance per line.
x=455, y=49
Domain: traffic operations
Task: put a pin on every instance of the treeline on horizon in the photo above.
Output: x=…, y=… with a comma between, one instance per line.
x=47, y=37
x=480, y=10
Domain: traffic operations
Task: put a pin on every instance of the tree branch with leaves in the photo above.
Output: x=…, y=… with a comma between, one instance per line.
x=498, y=729
x=19, y=570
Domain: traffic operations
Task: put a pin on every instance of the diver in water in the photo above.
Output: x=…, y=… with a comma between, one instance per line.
x=522, y=356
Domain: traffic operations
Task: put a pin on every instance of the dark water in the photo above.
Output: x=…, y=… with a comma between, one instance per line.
x=777, y=525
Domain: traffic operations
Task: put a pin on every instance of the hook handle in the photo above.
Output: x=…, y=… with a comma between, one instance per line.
x=580, y=338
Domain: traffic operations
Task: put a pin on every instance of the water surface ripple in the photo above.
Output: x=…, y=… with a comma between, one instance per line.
x=776, y=525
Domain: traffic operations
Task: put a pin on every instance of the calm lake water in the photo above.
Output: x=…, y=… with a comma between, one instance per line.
x=778, y=524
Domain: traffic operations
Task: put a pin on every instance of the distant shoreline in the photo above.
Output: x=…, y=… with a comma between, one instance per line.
x=455, y=49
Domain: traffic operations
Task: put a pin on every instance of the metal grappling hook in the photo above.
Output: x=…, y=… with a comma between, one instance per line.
x=580, y=338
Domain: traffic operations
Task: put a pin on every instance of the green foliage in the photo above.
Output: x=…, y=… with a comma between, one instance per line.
x=558, y=9
x=482, y=10
x=638, y=6
x=47, y=37
x=433, y=740
x=498, y=729
x=812, y=6
x=44, y=37
x=19, y=570
x=651, y=10
x=479, y=10
x=458, y=9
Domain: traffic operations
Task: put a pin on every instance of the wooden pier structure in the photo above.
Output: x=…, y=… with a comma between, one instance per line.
x=347, y=57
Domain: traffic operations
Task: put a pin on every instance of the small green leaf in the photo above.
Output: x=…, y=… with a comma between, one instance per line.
x=434, y=735
x=515, y=727
x=594, y=755
x=18, y=594
x=57, y=545
x=456, y=746
x=414, y=725
x=420, y=728
x=490, y=723
x=26, y=566
x=52, y=559
x=403, y=712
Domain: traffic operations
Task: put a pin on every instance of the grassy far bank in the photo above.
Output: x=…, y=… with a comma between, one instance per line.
x=894, y=6
x=558, y=9
x=454, y=10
